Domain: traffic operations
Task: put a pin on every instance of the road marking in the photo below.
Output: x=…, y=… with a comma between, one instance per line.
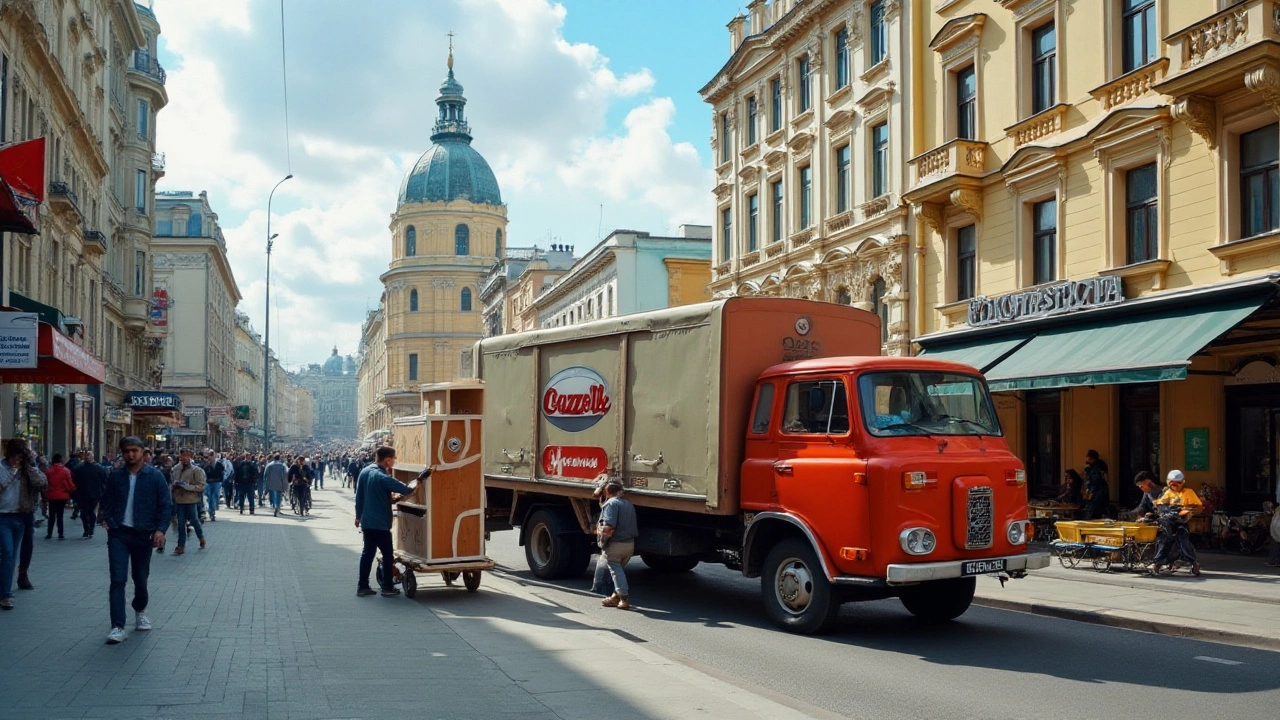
x=1220, y=661
x=438, y=655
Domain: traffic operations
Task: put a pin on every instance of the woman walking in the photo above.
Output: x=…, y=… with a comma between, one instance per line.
x=59, y=492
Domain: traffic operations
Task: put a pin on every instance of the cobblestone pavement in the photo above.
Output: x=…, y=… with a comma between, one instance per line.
x=265, y=624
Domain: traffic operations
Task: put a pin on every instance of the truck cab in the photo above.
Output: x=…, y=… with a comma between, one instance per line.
x=877, y=477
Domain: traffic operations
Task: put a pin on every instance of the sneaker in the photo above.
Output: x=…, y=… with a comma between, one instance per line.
x=1195, y=569
x=390, y=592
x=202, y=544
x=178, y=551
x=116, y=636
x=6, y=603
x=365, y=592
x=143, y=623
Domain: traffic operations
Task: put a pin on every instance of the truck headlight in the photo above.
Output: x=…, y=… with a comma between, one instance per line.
x=917, y=541
x=1017, y=532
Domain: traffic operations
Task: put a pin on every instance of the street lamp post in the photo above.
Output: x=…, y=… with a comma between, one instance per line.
x=266, y=343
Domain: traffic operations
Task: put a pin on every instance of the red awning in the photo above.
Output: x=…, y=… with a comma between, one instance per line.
x=21, y=185
x=60, y=361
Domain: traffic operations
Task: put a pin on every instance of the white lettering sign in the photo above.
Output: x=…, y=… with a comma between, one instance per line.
x=18, y=333
x=1063, y=297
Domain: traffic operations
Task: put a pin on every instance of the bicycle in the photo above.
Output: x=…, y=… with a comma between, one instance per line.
x=299, y=499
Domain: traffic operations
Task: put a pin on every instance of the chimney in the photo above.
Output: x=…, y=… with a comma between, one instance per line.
x=756, y=10
x=735, y=32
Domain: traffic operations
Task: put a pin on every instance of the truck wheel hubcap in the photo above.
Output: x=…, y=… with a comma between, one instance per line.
x=794, y=585
x=540, y=543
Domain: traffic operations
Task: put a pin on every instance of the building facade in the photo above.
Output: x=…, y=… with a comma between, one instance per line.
x=373, y=414
x=448, y=229
x=193, y=303
x=84, y=77
x=810, y=134
x=335, y=389
x=627, y=272
x=507, y=309
x=247, y=418
x=1104, y=243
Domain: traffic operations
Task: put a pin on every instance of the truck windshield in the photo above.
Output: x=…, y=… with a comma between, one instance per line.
x=925, y=403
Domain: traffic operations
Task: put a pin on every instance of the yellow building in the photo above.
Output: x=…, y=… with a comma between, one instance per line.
x=447, y=231
x=808, y=141
x=372, y=414
x=1098, y=216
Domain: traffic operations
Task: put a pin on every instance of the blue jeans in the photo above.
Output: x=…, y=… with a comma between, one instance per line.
x=128, y=547
x=246, y=491
x=377, y=541
x=10, y=541
x=274, y=497
x=188, y=512
x=212, y=491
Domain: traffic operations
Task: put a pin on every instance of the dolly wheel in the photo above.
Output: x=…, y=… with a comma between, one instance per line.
x=471, y=578
x=410, y=583
x=450, y=576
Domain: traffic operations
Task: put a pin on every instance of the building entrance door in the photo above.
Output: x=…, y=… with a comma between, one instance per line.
x=1044, y=443
x=1139, y=439
x=1253, y=438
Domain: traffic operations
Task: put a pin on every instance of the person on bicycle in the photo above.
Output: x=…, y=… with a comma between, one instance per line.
x=1151, y=492
x=299, y=485
x=1176, y=540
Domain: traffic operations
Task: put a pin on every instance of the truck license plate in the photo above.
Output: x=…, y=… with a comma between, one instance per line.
x=982, y=567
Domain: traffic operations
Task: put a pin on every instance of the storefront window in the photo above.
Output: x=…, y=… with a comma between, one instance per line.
x=1044, y=443
x=29, y=414
x=1139, y=439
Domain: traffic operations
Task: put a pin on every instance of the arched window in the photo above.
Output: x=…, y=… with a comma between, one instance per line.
x=466, y=297
x=462, y=240
x=413, y=301
x=497, y=243
x=410, y=242
x=879, y=307
x=843, y=296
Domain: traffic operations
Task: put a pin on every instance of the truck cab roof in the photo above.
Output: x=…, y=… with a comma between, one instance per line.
x=863, y=363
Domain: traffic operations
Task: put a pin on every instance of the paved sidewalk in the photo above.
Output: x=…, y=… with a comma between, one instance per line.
x=1236, y=600
x=266, y=624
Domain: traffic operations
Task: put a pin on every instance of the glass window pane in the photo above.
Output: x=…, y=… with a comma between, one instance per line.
x=1140, y=184
x=1260, y=147
x=764, y=409
x=1046, y=215
x=1043, y=41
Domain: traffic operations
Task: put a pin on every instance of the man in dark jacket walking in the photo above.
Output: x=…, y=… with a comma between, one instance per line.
x=136, y=509
x=90, y=479
x=247, y=474
x=374, y=498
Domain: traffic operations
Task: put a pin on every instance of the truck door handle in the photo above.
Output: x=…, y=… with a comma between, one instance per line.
x=783, y=469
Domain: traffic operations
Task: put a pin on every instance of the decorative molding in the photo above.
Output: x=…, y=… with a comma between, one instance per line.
x=1217, y=36
x=1131, y=86
x=839, y=222
x=1198, y=114
x=1042, y=124
x=968, y=200
x=750, y=258
x=723, y=191
x=186, y=261
x=801, y=143
x=1265, y=80
x=840, y=122
x=801, y=238
x=1023, y=9
x=876, y=206
x=443, y=283
x=749, y=174
x=875, y=102
x=932, y=214
x=774, y=249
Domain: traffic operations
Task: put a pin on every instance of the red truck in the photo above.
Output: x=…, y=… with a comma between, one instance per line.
x=766, y=434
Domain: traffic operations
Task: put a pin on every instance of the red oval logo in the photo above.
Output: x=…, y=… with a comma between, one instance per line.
x=583, y=463
x=576, y=398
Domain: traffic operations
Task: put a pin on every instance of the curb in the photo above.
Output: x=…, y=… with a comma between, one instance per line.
x=1102, y=617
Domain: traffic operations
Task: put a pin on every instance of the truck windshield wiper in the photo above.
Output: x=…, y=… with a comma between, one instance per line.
x=914, y=426
x=966, y=421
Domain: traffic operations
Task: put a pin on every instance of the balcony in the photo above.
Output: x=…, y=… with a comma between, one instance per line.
x=137, y=313
x=95, y=241
x=157, y=165
x=148, y=66
x=1228, y=50
x=62, y=197
x=953, y=166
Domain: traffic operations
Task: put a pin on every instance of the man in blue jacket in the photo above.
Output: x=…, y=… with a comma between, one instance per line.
x=136, y=509
x=374, y=499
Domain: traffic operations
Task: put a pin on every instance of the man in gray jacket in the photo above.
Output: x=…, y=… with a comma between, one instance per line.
x=617, y=533
x=275, y=480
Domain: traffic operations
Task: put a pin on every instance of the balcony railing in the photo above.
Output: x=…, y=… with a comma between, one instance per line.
x=148, y=66
x=96, y=239
x=1131, y=85
x=117, y=102
x=1211, y=57
x=60, y=192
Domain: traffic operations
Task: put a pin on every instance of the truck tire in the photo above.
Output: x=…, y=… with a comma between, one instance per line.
x=795, y=588
x=548, y=546
x=670, y=563
x=940, y=600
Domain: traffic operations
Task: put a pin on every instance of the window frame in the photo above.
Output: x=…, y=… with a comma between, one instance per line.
x=965, y=108
x=726, y=233
x=877, y=34
x=1270, y=174
x=753, y=222
x=413, y=300
x=772, y=390
x=804, y=84
x=1151, y=43
x=776, y=104
x=140, y=191
x=844, y=177
x=411, y=241
x=777, y=219
x=413, y=367
x=1044, y=69
x=966, y=263
x=1149, y=208
x=462, y=240
x=880, y=161
x=144, y=118
x=842, y=75
x=804, y=194
x=465, y=301
x=1046, y=237
x=753, y=116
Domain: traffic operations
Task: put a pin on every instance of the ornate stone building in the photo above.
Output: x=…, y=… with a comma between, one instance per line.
x=373, y=414
x=84, y=76
x=810, y=140
x=446, y=233
x=335, y=389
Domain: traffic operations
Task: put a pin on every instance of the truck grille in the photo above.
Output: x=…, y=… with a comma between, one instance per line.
x=980, y=515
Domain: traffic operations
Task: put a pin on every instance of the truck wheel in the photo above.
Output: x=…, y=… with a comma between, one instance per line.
x=670, y=563
x=940, y=600
x=796, y=590
x=548, y=550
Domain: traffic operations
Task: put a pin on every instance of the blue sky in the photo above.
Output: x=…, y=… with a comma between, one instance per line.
x=577, y=107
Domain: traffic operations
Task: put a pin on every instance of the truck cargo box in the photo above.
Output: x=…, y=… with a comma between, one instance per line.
x=659, y=399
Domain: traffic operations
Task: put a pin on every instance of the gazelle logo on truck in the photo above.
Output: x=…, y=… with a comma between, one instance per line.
x=575, y=399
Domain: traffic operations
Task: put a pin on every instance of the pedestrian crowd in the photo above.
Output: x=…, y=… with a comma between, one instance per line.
x=140, y=497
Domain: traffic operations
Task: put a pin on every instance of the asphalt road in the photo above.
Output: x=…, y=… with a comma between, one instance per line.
x=881, y=663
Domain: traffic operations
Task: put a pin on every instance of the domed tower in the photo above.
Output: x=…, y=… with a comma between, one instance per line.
x=448, y=229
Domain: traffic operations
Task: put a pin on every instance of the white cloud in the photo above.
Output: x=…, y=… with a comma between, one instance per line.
x=362, y=86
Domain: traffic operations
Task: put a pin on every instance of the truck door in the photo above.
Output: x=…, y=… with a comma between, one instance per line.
x=818, y=476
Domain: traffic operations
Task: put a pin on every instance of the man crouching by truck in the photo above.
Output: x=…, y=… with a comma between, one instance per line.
x=617, y=532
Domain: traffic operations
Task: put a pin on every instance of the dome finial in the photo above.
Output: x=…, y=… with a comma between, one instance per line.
x=450, y=51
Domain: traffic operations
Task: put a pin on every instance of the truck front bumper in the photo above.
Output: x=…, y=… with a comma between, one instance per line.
x=924, y=572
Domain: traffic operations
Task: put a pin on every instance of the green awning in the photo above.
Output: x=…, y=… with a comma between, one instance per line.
x=976, y=353
x=1149, y=347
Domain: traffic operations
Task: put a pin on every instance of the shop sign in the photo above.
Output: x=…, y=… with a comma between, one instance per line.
x=583, y=463
x=1056, y=299
x=193, y=412
x=575, y=399
x=118, y=415
x=1195, y=448
x=242, y=412
x=18, y=339
x=141, y=400
x=219, y=411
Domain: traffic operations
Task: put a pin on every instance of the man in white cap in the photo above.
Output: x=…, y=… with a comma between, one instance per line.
x=1177, y=494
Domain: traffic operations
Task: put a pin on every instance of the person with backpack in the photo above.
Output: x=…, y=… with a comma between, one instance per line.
x=247, y=474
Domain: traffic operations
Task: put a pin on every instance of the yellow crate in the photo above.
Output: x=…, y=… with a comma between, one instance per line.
x=1105, y=532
